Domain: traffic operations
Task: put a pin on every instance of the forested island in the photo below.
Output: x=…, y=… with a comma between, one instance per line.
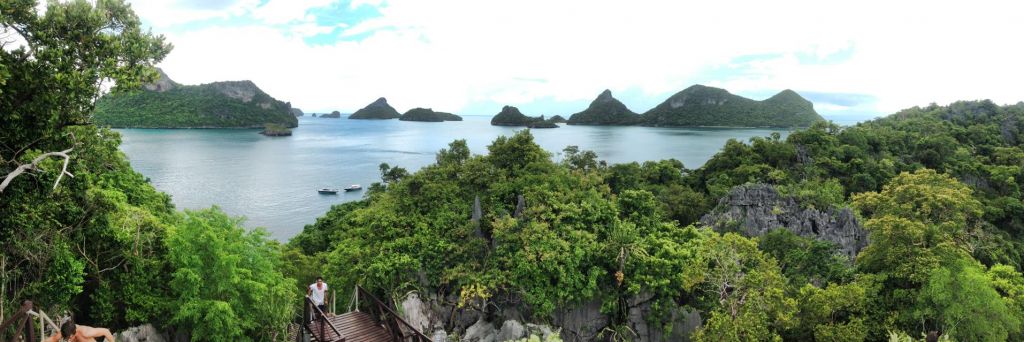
x=377, y=110
x=511, y=116
x=893, y=229
x=331, y=115
x=428, y=115
x=704, y=106
x=167, y=104
x=605, y=110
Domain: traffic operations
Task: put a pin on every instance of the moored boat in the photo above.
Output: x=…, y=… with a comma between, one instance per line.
x=329, y=191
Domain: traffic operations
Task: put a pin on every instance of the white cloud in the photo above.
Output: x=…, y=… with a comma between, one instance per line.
x=448, y=54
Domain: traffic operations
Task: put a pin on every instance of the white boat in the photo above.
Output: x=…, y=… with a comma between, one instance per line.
x=328, y=191
x=354, y=187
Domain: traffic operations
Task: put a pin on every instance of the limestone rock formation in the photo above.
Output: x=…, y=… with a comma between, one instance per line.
x=754, y=210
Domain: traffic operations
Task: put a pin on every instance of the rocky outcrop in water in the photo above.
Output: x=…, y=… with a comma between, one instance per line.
x=754, y=210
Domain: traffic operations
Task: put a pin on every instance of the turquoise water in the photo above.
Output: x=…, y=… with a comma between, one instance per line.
x=272, y=181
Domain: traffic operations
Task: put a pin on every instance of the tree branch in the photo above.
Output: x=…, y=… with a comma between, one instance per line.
x=34, y=165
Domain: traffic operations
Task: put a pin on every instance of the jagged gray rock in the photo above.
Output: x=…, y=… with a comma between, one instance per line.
x=581, y=323
x=511, y=330
x=417, y=313
x=142, y=333
x=756, y=209
x=684, y=321
x=482, y=331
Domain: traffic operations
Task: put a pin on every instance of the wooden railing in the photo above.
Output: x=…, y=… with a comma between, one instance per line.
x=400, y=330
x=25, y=327
x=309, y=311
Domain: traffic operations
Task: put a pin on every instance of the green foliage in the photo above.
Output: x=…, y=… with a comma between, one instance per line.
x=804, y=260
x=748, y=289
x=226, y=281
x=94, y=244
x=201, y=106
x=960, y=301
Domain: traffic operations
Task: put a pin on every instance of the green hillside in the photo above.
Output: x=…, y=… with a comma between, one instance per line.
x=708, y=106
x=169, y=105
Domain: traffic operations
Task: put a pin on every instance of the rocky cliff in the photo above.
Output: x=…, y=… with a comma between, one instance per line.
x=605, y=110
x=378, y=110
x=754, y=210
x=441, y=317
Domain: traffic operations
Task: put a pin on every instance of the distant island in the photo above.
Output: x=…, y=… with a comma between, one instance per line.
x=276, y=130
x=700, y=105
x=708, y=106
x=167, y=104
x=428, y=115
x=511, y=116
x=297, y=112
x=378, y=110
x=332, y=115
x=606, y=110
x=558, y=119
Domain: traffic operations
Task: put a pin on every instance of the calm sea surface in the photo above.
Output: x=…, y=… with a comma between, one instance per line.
x=272, y=181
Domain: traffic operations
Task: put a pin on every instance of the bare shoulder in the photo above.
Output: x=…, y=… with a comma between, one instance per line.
x=85, y=331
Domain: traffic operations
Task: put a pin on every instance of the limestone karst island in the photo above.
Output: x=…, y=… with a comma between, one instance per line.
x=493, y=171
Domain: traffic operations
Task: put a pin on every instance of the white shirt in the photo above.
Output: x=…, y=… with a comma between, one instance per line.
x=317, y=295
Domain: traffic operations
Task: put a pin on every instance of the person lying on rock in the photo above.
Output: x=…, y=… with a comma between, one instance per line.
x=71, y=332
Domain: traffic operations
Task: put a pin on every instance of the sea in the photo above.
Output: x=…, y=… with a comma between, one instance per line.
x=273, y=181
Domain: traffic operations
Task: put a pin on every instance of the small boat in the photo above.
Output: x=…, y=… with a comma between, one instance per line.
x=328, y=191
x=354, y=187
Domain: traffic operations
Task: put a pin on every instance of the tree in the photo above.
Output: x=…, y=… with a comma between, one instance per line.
x=747, y=289
x=959, y=300
x=227, y=282
x=52, y=79
x=91, y=239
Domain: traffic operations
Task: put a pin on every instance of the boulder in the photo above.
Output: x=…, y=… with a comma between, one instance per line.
x=511, y=330
x=482, y=331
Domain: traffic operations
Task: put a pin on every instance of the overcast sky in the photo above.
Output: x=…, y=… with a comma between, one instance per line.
x=853, y=59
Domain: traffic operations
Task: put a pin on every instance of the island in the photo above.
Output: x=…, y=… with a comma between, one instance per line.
x=606, y=110
x=332, y=115
x=708, y=106
x=297, y=112
x=167, y=104
x=549, y=123
x=276, y=130
x=558, y=119
x=428, y=115
x=378, y=110
x=510, y=116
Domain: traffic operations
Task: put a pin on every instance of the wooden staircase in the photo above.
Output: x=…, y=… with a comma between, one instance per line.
x=369, y=320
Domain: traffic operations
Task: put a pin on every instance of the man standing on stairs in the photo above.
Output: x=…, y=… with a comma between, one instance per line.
x=317, y=292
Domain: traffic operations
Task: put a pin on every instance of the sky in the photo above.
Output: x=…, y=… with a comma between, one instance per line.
x=854, y=59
